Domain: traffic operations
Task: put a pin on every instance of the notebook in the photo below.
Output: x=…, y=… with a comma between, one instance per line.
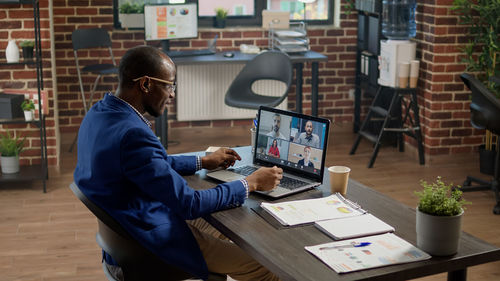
x=295, y=142
x=351, y=227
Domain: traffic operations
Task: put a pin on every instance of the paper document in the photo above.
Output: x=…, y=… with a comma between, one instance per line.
x=351, y=227
x=367, y=252
x=311, y=210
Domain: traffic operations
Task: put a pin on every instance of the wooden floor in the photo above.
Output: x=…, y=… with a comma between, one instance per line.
x=51, y=236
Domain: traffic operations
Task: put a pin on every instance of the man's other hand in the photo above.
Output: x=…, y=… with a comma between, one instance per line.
x=222, y=157
x=264, y=178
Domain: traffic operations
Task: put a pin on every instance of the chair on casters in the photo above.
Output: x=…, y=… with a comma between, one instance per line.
x=136, y=262
x=272, y=65
x=86, y=39
x=485, y=114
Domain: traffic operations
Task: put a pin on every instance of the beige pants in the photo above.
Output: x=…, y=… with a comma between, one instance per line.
x=223, y=256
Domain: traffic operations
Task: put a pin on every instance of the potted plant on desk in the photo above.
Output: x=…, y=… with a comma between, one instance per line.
x=439, y=218
x=10, y=148
x=29, y=109
x=220, y=18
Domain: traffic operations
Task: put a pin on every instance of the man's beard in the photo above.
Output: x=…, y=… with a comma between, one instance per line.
x=150, y=111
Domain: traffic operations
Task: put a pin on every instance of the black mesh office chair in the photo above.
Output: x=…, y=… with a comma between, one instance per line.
x=271, y=65
x=137, y=262
x=89, y=38
x=485, y=114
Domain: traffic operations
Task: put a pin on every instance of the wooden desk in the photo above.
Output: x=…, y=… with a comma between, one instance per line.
x=282, y=250
x=297, y=60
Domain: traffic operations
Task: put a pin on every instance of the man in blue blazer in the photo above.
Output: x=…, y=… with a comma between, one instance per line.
x=123, y=168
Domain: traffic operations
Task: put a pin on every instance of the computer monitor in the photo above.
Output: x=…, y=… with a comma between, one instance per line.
x=170, y=21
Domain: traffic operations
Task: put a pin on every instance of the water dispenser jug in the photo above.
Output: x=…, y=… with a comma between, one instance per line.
x=398, y=19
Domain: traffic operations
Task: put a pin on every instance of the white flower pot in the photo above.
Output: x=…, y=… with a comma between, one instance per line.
x=28, y=115
x=132, y=20
x=12, y=52
x=10, y=164
x=438, y=235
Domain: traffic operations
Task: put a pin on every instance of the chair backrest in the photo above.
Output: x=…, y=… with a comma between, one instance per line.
x=137, y=262
x=484, y=107
x=271, y=65
x=90, y=38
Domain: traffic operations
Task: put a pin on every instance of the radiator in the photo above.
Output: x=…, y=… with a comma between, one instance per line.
x=201, y=90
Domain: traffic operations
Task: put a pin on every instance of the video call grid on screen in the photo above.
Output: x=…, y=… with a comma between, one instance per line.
x=292, y=141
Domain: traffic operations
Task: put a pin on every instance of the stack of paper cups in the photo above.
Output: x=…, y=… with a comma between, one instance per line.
x=414, y=66
x=404, y=72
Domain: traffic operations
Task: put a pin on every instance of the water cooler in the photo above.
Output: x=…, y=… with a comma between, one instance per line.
x=398, y=25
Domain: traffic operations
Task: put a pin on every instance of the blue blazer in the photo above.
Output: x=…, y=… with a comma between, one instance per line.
x=123, y=168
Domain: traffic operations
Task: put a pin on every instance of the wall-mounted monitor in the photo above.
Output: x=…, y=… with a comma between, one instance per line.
x=170, y=21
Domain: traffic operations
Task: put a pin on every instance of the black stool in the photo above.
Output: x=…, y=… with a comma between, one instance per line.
x=406, y=122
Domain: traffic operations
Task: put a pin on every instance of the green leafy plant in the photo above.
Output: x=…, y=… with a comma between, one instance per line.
x=132, y=8
x=28, y=105
x=221, y=13
x=482, y=53
x=440, y=199
x=349, y=7
x=10, y=146
x=27, y=43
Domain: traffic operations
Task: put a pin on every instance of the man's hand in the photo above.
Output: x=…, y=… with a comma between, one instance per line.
x=223, y=157
x=264, y=178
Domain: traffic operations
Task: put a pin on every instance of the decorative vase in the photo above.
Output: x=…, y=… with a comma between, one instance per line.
x=219, y=23
x=438, y=235
x=12, y=52
x=10, y=164
x=27, y=53
x=131, y=20
x=28, y=115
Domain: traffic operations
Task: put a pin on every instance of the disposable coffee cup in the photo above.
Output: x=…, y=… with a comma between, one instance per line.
x=339, y=177
x=403, y=74
x=414, y=68
x=252, y=138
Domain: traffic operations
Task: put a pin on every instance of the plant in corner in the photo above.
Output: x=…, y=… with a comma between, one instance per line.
x=29, y=109
x=10, y=148
x=220, y=17
x=131, y=15
x=27, y=47
x=439, y=217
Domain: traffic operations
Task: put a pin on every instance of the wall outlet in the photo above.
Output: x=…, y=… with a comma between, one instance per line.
x=351, y=94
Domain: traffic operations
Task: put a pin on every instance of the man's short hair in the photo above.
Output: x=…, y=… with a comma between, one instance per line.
x=137, y=62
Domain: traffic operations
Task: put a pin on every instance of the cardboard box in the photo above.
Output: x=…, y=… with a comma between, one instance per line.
x=10, y=106
x=279, y=19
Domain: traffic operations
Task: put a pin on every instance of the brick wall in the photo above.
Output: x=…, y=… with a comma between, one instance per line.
x=16, y=22
x=443, y=100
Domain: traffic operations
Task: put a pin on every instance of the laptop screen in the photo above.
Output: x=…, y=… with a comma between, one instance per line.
x=292, y=141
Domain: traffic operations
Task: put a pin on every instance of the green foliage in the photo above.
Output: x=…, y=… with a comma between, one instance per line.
x=28, y=105
x=27, y=43
x=221, y=13
x=132, y=8
x=439, y=199
x=349, y=6
x=482, y=53
x=10, y=146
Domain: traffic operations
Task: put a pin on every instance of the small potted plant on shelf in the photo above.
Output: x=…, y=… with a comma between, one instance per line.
x=132, y=15
x=439, y=217
x=29, y=109
x=10, y=148
x=220, y=17
x=27, y=47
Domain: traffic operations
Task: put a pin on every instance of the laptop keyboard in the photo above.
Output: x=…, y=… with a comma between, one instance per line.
x=286, y=182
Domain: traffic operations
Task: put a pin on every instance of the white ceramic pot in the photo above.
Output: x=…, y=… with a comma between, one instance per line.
x=12, y=52
x=438, y=235
x=10, y=164
x=28, y=115
x=131, y=20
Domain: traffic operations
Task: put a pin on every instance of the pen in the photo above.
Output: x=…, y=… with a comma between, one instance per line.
x=351, y=245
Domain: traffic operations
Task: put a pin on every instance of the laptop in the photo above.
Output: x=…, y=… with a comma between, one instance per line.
x=295, y=142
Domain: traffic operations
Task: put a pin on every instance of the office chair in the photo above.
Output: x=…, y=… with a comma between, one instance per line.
x=136, y=262
x=272, y=65
x=86, y=39
x=485, y=114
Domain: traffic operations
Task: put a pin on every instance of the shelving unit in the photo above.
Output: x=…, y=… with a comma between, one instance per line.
x=37, y=171
x=367, y=52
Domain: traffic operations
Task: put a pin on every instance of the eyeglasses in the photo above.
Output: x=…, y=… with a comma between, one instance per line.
x=171, y=85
